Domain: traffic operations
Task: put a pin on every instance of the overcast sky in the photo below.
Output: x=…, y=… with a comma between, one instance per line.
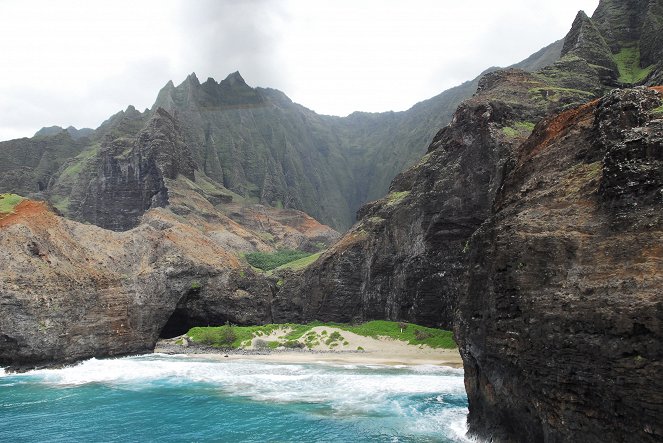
x=76, y=62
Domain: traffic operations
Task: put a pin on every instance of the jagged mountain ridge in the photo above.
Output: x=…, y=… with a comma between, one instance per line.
x=281, y=153
x=254, y=142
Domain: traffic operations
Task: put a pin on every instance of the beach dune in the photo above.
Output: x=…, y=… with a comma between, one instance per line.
x=350, y=348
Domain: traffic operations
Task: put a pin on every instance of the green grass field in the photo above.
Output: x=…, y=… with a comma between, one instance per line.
x=302, y=263
x=628, y=63
x=412, y=334
x=8, y=202
x=268, y=261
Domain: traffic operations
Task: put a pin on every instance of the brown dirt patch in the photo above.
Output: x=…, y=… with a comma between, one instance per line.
x=25, y=210
x=556, y=127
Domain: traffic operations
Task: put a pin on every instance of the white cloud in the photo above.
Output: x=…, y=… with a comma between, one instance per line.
x=76, y=62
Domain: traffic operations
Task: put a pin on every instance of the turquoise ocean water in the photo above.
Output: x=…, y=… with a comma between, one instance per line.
x=182, y=399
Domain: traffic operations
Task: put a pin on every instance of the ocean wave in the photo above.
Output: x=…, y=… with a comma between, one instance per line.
x=412, y=400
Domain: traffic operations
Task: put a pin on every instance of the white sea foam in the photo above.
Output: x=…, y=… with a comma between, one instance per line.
x=347, y=390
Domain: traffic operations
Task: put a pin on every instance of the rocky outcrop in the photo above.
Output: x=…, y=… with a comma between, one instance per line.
x=128, y=175
x=585, y=41
x=561, y=329
x=283, y=228
x=70, y=291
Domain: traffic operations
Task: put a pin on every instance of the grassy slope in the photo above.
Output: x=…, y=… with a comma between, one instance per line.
x=269, y=261
x=302, y=263
x=435, y=338
x=8, y=202
x=628, y=63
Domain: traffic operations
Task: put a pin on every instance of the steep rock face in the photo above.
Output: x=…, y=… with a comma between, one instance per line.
x=114, y=182
x=621, y=21
x=70, y=291
x=27, y=165
x=561, y=329
x=259, y=144
x=632, y=30
x=406, y=257
x=585, y=41
x=128, y=177
x=539, y=323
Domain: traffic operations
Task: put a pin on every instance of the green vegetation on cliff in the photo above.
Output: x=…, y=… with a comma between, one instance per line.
x=302, y=263
x=295, y=333
x=395, y=198
x=628, y=63
x=268, y=261
x=518, y=129
x=8, y=202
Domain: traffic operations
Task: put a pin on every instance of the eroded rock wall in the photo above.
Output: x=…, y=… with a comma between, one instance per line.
x=70, y=291
x=561, y=329
x=405, y=259
x=127, y=177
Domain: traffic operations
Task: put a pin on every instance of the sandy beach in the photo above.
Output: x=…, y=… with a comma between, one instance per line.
x=444, y=357
x=353, y=349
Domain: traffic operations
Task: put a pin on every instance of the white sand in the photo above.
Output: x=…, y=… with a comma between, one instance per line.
x=383, y=350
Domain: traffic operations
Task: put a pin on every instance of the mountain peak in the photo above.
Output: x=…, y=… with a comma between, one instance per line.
x=586, y=41
x=48, y=131
x=192, y=79
x=234, y=79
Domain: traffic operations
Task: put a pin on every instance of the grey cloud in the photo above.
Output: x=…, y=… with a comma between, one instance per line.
x=24, y=111
x=223, y=36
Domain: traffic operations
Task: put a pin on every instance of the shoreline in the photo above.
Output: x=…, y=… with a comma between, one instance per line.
x=407, y=357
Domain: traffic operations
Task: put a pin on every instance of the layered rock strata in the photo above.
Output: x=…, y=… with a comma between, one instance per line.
x=561, y=329
x=71, y=291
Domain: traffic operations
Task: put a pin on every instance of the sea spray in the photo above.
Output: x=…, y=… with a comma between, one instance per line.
x=169, y=398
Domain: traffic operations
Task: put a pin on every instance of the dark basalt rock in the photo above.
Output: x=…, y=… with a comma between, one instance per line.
x=585, y=41
x=621, y=21
x=651, y=38
x=561, y=327
x=545, y=257
x=406, y=258
x=633, y=146
x=128, y=176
